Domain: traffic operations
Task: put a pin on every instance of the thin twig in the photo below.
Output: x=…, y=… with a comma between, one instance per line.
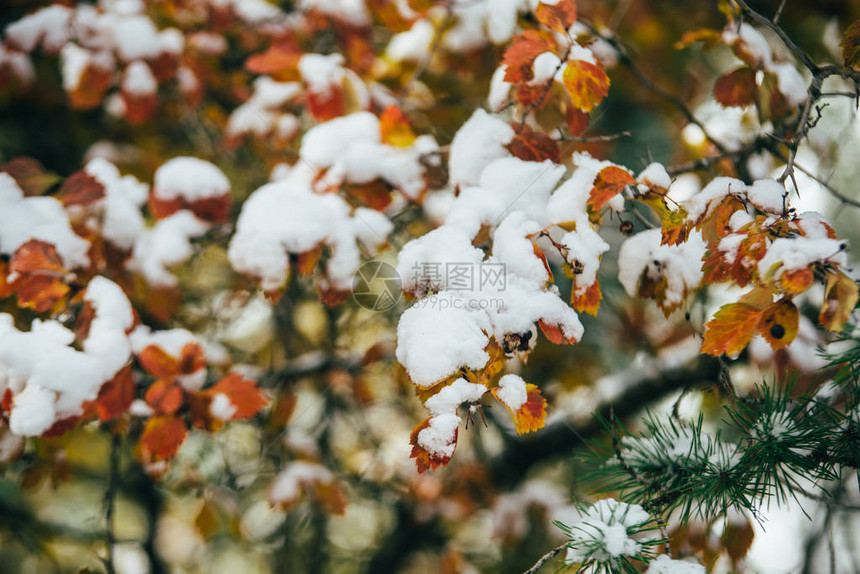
x=546, y=558
x=793, y=48
x=599, y=138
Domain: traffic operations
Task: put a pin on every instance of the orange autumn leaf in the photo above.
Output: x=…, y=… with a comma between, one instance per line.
x=796, y=281
x=424, y=459
x=161, y=438
x=394, y=128
x=280, y=61
x=522, y=52
x=586, y=83
x=330, y=496
x=244, y=395
x=531, y=145
x=610, y=181
x=116, y=395
x=778, y=323
x=557, y=17
x=736, y=88
x=531, y=416
x=92, y=86
x=840, y=298
x=709, y=37
x=80, y=189
x=375, y=194
x=731, y=329
x=39, y=292
x=158, y=362
x=554, y=335
x=589, y=301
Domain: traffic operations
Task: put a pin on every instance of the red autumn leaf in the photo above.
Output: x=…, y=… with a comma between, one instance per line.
x=62, y=426
x=731, y=329
x=576, y=121
x=139, y=107
x=243, y=393
x=778, y=324
x=215, y=209
x=586, y=84
x=7, y=401
x=37, y=256
x=589, y=301
x=30, y=175
x=80, y=189
x=610, y=181
x=157, y=362
x=192, y=358
x=325, y=106
x=116, y=395
x=164, y=396
x=531, y=145
x=736, y=88
x=840, y=298
x=307, y=262
x=161, y=438
x=522, y=52
x=424, y=459
x=554, y=334
x=394, y=128
x=557, y=17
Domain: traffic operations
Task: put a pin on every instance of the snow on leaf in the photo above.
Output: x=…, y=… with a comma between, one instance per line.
x=554, y=335
x=426, y=459
x=736, y=88
x=243, y=393
x=779, y=323
x=557, y=17
x=521, y=54
x=161, y=438
x=610, y=181
x=394, y=128
x=80, y=188
x=586, y=83
x=851, y=45
x=840, y=298
x=532, y=145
